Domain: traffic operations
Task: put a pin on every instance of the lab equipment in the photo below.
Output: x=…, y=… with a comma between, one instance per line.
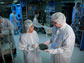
x=6, y=46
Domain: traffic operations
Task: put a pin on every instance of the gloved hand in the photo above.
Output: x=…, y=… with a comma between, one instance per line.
x=54, y=51
x=49, y=50
x=47, y=42
x=35, y=45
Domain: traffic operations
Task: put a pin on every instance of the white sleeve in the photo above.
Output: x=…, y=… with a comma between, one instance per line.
x=36, y=37
x=10, y=25
x=23, y=43
x=14, y=18
x=68, y=45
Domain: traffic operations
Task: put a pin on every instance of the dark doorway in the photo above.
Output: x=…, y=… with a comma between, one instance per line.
x=67, y=9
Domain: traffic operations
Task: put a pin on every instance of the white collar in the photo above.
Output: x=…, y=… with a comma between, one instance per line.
x=63, y=26
x=3, y=21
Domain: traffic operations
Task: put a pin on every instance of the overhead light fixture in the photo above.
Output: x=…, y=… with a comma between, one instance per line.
x=2, y=2
x=15, y=1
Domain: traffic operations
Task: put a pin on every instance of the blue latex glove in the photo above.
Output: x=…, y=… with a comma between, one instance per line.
x=53, y=45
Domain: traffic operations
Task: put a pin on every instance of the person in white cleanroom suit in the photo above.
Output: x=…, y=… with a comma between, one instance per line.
x=28, y=44
x=76, y=12
x=62, y=40
x=14, y=21
x=7, y=25
x=35, y=20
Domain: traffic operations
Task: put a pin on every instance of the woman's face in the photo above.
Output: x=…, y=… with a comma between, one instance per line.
x=31, y=29
x=57, y=25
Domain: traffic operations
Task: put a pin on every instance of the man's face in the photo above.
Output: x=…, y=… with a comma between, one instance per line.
x=1, y=20
x=14, y=12
x=57, y=25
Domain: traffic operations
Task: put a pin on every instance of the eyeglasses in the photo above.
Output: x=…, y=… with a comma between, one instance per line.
x=54, y=23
